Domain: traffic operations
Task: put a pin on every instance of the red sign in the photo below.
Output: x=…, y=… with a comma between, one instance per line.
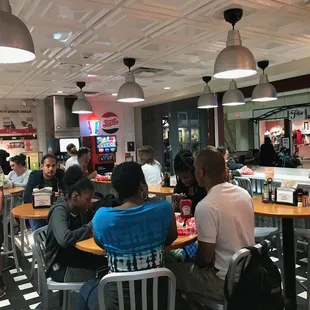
x=109, y=122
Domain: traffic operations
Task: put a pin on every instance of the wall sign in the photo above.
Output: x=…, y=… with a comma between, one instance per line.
x=109, y=122
x=297, y=114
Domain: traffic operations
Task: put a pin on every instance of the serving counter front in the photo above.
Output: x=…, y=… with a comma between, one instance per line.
x=299, y=175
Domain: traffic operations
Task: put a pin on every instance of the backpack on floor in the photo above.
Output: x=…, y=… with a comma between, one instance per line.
x=259, y=286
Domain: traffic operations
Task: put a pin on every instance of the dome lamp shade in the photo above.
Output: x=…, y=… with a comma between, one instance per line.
x=16, y=44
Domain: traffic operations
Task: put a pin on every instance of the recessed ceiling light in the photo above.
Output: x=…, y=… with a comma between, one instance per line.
x=167, y=87
x=114, y=94
x=62, y=36
x=59, y=91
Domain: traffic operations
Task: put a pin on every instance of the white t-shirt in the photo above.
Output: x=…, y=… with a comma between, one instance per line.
x=225, y=217
x=152, y=174
x=71, y=161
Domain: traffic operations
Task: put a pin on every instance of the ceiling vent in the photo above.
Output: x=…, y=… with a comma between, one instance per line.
x=147, y=72
x=68, y=66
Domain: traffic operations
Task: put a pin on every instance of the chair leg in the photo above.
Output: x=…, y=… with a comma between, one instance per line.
x=22, y=236
x=65, y=300
x=45, y=299
x=308, y=282
x=280, y=256
x=13, y=244
x=32, y=268
x=295, y=245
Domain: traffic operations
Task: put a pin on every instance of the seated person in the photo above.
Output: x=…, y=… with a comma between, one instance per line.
x=48, y=176
x=67, y=224
x=151, y=168
x=20, y=173
x=83, y=160
x=225, y=224
x=72, y=152
x=187, y=186
x=230, y=161
x=133, y=234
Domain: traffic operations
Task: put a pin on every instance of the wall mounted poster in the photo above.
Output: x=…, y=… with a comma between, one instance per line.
x=17, y=122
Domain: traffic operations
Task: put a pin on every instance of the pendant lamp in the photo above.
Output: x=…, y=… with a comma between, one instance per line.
x=233, y=96
x=130, y=91
x=207, y=100
x=234, y=61
x=81, y=105
x=264, y=91
x=16, y=45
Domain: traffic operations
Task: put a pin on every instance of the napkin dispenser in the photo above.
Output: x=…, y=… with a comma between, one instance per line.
x=42, y=198
x=286, y=196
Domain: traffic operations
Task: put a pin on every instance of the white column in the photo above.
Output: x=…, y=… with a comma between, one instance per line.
x=41, y=126
x=216, y=128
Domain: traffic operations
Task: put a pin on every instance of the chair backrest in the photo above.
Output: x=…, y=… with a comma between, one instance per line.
x=39, y=250
x=237, y=262
x=142, y=276
x=246, y=184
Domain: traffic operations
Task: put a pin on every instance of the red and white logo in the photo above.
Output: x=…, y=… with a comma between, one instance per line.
x=109, y=122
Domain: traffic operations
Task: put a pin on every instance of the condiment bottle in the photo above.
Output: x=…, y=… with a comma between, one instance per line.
x=305, y=199
x=299, y=199
x=265, y=193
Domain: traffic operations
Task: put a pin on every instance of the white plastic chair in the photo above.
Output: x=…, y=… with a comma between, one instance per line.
x=305, y=233
x=38, y=247
x=8, y=221
x=131, y=277
x=262, y=233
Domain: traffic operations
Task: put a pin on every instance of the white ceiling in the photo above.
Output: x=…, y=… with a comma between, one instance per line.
x=180, y=37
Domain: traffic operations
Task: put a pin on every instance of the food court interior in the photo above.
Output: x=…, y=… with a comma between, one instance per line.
x=187, y=89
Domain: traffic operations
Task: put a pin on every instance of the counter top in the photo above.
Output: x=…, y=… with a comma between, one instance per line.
x=282, y=174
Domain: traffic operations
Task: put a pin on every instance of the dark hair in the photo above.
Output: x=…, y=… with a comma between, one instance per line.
x=82, y=151
x=267, y=140
x=74, y=181
x=126, y=179
x=184, y=161
x=222, y=149
x=70, y=146
x=146, y=154
x=46, y=157
x=19, y=159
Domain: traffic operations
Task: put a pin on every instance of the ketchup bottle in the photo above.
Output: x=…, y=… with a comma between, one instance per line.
x=186, y=208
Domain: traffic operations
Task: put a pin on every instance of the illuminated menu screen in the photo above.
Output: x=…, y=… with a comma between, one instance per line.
x=106, y=144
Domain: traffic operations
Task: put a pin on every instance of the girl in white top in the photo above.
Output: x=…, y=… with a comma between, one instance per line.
x=20, y=173
x=151, y=168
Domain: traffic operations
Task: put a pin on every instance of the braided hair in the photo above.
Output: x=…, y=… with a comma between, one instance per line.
x=74, y=181
x=184, y=161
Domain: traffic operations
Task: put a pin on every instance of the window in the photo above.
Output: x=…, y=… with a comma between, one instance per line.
x=189, y=131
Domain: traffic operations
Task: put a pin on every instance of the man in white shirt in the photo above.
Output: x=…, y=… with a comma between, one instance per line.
x=225, y=224
x=72, y=152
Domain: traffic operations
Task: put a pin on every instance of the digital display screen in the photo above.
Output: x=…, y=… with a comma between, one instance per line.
x=64, y=142
x=106, y=144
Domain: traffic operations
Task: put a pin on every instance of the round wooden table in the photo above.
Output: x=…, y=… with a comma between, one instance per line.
x=27, y=212
x=160, y=190
x=13, y=190
x=90, y=246
x=287, y=214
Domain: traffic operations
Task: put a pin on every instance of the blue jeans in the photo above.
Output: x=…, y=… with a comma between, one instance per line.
x=35, y=224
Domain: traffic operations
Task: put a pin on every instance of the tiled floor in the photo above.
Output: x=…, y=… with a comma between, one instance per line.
x=22, y=293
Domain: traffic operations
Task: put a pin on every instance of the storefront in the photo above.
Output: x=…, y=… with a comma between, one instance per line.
x=286, y=127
